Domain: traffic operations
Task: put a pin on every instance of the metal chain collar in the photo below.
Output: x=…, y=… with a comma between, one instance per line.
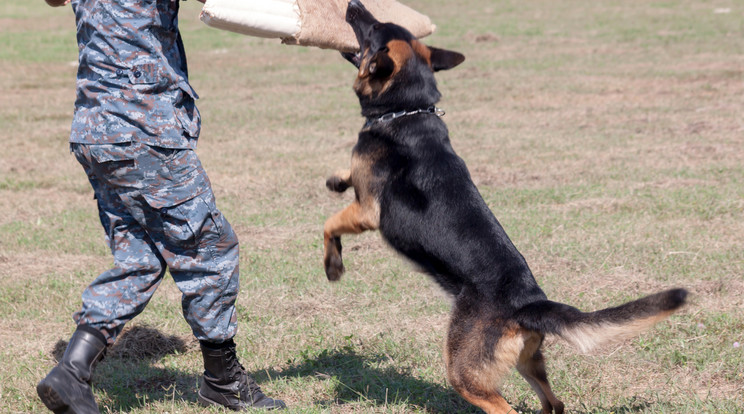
x=393, y=115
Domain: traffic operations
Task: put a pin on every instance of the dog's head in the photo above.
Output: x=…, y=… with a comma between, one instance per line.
x=396, y=71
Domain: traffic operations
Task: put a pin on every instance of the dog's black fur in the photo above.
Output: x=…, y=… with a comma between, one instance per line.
x=410, y=184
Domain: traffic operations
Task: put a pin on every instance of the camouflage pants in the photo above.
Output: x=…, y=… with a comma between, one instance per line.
x=158, y=211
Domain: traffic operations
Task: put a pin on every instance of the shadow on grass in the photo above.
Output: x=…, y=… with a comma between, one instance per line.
x=359, y=378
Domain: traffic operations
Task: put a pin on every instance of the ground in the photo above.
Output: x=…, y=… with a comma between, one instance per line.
x=607, y=138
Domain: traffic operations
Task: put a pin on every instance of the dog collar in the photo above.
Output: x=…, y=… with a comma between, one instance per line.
x=393, y=115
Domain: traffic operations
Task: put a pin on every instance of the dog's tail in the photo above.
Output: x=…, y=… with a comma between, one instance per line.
x=586, y=330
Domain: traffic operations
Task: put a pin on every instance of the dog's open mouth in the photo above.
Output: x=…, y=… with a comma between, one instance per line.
x=355, y=58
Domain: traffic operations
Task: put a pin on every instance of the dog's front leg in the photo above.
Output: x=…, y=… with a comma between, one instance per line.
x=354, y=219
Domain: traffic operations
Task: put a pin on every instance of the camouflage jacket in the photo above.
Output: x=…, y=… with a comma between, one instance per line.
x=132, y=80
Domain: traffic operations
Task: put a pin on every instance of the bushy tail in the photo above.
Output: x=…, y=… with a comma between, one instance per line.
x=586, y=330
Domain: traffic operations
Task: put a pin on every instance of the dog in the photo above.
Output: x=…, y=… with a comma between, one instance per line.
x=411, y=186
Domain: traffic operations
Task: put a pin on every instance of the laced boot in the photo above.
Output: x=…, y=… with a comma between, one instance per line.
x=226, y=383
x=66, y=389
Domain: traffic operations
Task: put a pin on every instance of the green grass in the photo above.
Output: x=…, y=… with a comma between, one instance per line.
x=606, y=137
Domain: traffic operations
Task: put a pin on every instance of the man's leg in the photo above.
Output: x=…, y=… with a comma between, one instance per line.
x=201, y=250
x=114, y=297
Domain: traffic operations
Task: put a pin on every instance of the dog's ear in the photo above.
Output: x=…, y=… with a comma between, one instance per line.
x=380, y=65
x=442, y=59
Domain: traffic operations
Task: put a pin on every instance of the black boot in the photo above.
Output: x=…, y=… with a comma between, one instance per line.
x=66, y=389
x=226, y=382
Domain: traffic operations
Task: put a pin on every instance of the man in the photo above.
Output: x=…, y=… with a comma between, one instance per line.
x=134, y=131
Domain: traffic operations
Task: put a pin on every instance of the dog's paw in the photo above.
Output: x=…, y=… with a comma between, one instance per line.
x=334, y=264
x=334, y=269
x=335, y=183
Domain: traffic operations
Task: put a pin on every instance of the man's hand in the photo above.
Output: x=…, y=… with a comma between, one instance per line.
x=57, y=3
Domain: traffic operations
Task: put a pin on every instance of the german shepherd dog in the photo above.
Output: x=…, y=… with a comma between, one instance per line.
x=410, y=184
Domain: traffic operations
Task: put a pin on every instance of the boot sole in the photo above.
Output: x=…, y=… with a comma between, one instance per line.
x=206, y=402
x=51, y=398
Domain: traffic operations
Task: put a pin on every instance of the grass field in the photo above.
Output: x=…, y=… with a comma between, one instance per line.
x=608, y=138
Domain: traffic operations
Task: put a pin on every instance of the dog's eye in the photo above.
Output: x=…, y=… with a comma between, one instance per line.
x=384, y=49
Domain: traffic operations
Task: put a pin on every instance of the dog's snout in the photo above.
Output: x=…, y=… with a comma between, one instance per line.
x=353, y=10
x=356, y=13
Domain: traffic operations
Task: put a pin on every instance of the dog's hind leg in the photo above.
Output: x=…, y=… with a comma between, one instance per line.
x=354, y=219
x=480, y=353
x=531, y=365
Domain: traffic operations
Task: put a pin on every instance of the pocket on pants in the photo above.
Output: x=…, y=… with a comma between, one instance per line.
x=109, y=164
x=112, y=152
x=176, y=176
x=193, y=225
x=179, y=193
